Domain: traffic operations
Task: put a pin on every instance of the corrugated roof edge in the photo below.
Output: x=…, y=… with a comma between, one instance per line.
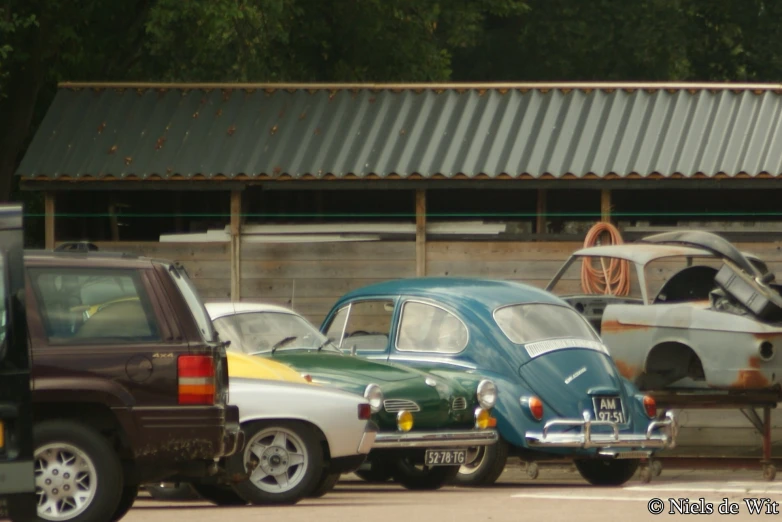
x=538, y=86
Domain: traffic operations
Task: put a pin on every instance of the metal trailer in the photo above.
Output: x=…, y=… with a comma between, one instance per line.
x=750, y=403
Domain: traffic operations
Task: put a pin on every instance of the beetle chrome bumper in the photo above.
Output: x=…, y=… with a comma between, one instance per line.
x=435, y=439
x=586, y=439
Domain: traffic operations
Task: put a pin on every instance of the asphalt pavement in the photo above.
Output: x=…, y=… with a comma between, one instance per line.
x=557, y=494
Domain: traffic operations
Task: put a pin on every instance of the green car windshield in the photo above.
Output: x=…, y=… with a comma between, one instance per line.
x=526, y=323
x=262, y=332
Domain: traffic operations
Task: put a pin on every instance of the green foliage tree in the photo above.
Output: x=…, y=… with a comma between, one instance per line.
x=629, y=40
x=46, y=41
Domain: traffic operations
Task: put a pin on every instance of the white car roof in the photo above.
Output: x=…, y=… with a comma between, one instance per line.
x=642, y=253
x=218, y=309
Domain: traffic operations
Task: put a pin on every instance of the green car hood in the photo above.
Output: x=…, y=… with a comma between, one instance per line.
x=337, y=364
x=397, y=382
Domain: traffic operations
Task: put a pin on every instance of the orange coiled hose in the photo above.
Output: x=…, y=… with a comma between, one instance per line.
x=612, y=276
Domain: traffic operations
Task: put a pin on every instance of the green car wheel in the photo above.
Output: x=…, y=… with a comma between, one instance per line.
x=418, y=477
x=486, y=468
x=377, y=473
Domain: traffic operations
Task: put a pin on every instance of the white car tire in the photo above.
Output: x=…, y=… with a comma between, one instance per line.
x=284, y=459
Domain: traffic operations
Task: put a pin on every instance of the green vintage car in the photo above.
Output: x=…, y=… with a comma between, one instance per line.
x=429, y=424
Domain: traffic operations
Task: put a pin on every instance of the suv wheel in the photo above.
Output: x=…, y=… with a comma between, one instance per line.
x=129, y=494
x=284, y=459
x=78, y=476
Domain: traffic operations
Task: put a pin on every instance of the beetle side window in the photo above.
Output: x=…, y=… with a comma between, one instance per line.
x=94, y=305
x=368, y=325
x=429, y=328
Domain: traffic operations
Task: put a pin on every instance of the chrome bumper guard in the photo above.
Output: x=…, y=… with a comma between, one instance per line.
x=367, y=440
x=586, y=439
x=435, y=439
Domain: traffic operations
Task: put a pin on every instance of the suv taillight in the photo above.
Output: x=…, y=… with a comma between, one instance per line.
x=196, y=379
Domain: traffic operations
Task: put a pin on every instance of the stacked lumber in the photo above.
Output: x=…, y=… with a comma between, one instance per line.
x=334, y=232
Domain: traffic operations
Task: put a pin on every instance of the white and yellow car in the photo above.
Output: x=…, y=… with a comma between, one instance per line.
x=299, y=437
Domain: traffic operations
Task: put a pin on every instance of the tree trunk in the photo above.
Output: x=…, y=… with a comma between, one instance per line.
x=17, y=109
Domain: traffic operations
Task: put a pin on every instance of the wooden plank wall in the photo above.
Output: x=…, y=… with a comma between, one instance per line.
x=310, y=277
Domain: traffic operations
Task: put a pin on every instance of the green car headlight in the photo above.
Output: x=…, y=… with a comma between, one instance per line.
x=374, y=395
x=487, y=394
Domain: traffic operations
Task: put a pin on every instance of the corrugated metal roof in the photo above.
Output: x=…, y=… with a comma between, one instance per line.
x=151, y=131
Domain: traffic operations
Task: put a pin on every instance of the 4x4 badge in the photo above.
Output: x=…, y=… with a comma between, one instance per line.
x=162, y=355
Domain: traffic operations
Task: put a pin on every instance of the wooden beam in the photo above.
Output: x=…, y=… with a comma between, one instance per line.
x=540, y=225
x=236, y=245
x=179, y=222
x=420, y=233
x=48, y=220
x=605, y=205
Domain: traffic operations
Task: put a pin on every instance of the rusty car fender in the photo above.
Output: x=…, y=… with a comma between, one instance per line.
x=631, y=332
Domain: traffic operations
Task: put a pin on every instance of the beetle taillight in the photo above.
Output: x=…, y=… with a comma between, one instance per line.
x=364, y=411
x=650, y=406
x=197, y=379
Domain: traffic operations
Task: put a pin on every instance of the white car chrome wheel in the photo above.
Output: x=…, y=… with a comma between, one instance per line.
x=277, y=459
x=65, y=481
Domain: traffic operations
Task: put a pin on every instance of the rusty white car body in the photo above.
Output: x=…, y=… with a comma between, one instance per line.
x=692, y=331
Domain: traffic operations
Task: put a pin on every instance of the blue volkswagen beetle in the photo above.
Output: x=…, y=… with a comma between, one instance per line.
x=560, y=394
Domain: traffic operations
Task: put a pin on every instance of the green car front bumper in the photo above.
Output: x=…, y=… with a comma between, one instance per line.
x=435, y=439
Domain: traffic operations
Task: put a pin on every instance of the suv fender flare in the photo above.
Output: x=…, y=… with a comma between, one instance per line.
x=88, y=390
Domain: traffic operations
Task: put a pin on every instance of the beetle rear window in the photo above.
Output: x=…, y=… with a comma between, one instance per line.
x=526, y=323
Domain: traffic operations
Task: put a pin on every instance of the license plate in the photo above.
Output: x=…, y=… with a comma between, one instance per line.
x=445, y=457
x=609, y=409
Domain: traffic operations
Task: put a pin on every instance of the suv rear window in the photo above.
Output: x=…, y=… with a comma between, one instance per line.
x=194, y=302
x=526, y=323
x=101, y=305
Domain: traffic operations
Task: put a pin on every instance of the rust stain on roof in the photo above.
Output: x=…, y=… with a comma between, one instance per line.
x=358, y=123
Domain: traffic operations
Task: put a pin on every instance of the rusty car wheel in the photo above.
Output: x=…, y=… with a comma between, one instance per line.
x=78, y=476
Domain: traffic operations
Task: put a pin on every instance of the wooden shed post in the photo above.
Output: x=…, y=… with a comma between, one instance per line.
x=48, y=220
x=420, y=232
x=236, y=245
x=540, y=223
x=605, y=205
